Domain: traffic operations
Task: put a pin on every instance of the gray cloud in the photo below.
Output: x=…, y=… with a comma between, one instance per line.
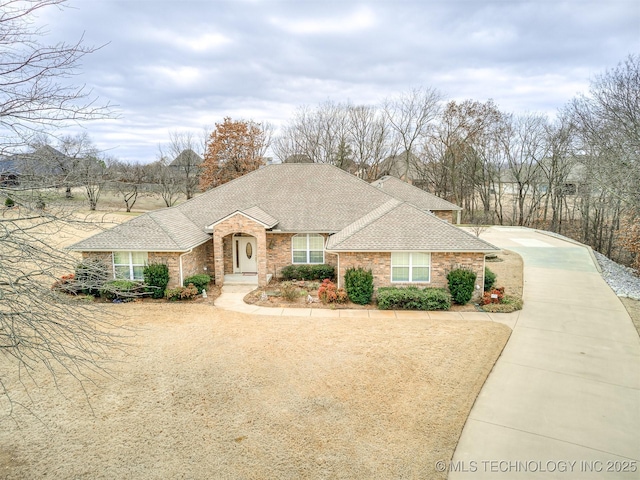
x=182, y=65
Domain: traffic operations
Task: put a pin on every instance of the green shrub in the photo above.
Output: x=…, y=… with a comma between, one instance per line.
x=308, y=272
x=156, y=277
x=462, y=282
x=413, y=298
x=288, y=272
x=508, y=304
x=90, y=277
x=9, y=202
x=489, y=279
x=124, y=290
x=181, y=293
x=200, y=281
x=359, y=285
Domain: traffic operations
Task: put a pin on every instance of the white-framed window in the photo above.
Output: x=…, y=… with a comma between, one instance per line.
x=307, y=248
x=129, y=265
x=411, y=267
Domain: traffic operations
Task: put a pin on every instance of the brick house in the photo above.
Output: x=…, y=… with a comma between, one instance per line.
x=247, y=230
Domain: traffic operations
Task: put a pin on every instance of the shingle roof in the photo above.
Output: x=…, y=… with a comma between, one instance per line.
x=303, y=197
x=164, y=230
x=294, y=198
x=405, y=227
x=414, y=195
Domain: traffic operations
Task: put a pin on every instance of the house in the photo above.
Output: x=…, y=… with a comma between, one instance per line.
x=9, y=172
x=426, y=201
x=248, y=229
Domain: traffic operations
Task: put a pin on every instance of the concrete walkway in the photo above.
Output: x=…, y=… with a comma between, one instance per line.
x=232, y=299
x=563, y=400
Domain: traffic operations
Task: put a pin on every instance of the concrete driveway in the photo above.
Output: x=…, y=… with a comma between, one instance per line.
x=563, y=400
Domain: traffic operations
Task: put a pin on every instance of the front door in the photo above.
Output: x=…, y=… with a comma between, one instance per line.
x=246, y=254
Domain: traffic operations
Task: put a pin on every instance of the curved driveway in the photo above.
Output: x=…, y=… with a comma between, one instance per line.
x=563, y=400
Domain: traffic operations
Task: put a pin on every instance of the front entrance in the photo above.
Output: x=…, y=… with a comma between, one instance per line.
x=245, y=250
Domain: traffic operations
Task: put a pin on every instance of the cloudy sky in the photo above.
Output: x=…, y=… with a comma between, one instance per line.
x=183, y=65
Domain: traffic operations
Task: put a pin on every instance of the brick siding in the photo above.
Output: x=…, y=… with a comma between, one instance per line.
x=279, y=252
x=239, y=224
x=441, y=263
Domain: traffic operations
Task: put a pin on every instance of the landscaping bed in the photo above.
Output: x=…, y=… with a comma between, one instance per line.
x=507, y=266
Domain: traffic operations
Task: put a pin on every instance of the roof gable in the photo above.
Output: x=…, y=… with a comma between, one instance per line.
x=404, y=227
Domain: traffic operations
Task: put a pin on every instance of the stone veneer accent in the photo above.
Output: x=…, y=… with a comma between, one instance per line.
x=441, y=264
x=238, y=223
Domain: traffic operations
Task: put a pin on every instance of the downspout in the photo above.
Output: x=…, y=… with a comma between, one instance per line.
x=180, y=265
x=338, y=272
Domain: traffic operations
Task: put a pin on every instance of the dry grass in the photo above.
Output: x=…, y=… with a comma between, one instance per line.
x=633, y=307
x=510, y=272
x=204, y=393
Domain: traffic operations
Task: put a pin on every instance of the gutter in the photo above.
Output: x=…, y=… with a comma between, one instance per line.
x=180, y=264
x=338, y=272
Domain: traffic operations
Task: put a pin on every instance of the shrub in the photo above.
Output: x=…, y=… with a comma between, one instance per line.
x=462, y=282
x=181, y=293
x=413, y=298
x=156, y=277
x=9, y=202
x=200, y=281
x=492, y=296
x=341, y=296
x=489, y=279
x=288, y=272
x=288, y=291
x=509, y=304
x=328, y=293
x=91, y=275
x=66, y=284
x=308, y=272
x=124, y=290
x=359, y=285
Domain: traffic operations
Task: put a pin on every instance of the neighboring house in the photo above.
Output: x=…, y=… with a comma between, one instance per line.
x=396, y=166
x=426, y=201
x=9, y=173
x=187, y=159
x=250, y=228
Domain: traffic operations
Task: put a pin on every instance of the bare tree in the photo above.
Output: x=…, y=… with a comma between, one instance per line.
x=128, y=180
x=39, y=327
x=33, y=94
x=164, y=179
x=370, y=138
x=411, y=116
x=186, y=151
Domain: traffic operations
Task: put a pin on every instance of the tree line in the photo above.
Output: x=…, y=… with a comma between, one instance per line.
x=577, y=174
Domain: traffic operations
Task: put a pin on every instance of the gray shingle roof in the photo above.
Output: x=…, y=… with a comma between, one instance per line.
x=414, y=195
x=164, y=230
x=293, y=198
x=303, y=197
x=405, y=227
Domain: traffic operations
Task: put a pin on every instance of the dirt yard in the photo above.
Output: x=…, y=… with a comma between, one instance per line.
x=203, y=393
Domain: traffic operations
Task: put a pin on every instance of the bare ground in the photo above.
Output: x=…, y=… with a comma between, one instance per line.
x=203, y=393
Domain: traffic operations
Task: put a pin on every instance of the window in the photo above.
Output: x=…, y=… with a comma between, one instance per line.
x=307, y=248
x=410, y=266
x=129, y=265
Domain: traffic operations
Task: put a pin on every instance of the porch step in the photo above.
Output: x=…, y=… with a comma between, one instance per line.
x=243, y=279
